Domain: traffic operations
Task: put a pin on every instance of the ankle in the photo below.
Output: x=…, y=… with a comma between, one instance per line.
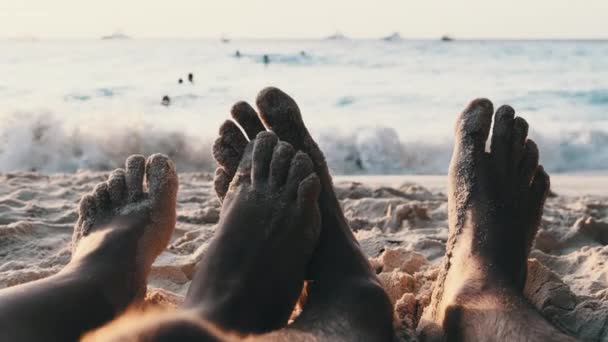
x=121, y=284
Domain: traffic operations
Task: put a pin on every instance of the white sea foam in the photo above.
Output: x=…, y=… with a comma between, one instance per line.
x=44, y=143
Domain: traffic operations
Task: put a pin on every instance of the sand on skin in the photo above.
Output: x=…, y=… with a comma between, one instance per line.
x=401, y=225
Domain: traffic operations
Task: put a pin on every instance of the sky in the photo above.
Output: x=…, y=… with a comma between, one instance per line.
x=518, y=19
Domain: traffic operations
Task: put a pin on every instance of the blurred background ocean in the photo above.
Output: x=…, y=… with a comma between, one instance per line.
x=375, y=106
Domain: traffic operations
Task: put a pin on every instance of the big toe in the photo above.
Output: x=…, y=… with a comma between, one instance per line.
x=162, y=184
x=472, y=130
x=281, y=113
x=473, y=127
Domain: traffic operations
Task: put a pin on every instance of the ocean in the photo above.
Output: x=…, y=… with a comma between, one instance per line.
x=375, y=107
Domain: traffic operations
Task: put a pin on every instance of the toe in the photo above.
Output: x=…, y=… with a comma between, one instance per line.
x=281, y=113
x=226, y=156
x=529, y=163
x=538, y=194
x=162, y=183
x=221, y=183
x=117, y=187
x=101, y=197
x=309, y=190
x=229, y=146
x=520, y=133
x=86, y=208
x=473, y=127
x=243, y=173
x=541, y=184
x=136, y=166
x=279, y=166
x=87, y=212
x=502, y=139
x=301, y=167
x=263, y=148
x=246, y=116
x=308, y=196
x=503, y=126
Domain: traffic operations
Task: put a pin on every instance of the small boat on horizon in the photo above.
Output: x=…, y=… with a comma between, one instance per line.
x=446, y=38
x=115, y=36
x=395, y=36
x=336, y=36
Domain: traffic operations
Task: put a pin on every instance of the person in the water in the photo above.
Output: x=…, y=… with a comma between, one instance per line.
x=266, y=59
x=166, y=101
x=191, y=78
x=237, y=54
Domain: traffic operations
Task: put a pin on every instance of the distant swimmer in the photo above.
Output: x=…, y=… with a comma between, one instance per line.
x=180, y=81
x=303, y=53
x=237, y=54
x=356, y=159
x=191, y=78
x=166, y=101
x=266, y=59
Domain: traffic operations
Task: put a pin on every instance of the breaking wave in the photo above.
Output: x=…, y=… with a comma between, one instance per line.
x=41, y=142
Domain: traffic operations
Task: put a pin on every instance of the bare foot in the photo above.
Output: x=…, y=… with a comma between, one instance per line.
x=343, y=290
x=495, y=205
x=124, y=225
x=253, y=272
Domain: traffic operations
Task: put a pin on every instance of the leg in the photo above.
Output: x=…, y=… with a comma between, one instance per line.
x=495, y=206
x=343, y=290
x=120, y=231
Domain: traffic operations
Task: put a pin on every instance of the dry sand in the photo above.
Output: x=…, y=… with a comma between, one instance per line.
x=400, y=221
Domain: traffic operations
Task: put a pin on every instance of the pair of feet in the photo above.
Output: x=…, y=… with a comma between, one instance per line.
x=280, y=224
x=268, y=241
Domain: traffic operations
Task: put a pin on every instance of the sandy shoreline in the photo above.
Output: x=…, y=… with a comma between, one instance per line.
x=400, y=221
x=576, y=184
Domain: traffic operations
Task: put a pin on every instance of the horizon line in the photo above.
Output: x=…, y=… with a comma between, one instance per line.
x=302, y=38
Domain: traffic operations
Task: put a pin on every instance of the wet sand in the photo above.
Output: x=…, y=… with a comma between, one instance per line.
x=400, y=221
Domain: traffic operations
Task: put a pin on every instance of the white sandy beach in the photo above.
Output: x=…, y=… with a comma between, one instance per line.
x=400, y=221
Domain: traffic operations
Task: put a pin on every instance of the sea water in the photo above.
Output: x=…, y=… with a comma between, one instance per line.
x=375, y=107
